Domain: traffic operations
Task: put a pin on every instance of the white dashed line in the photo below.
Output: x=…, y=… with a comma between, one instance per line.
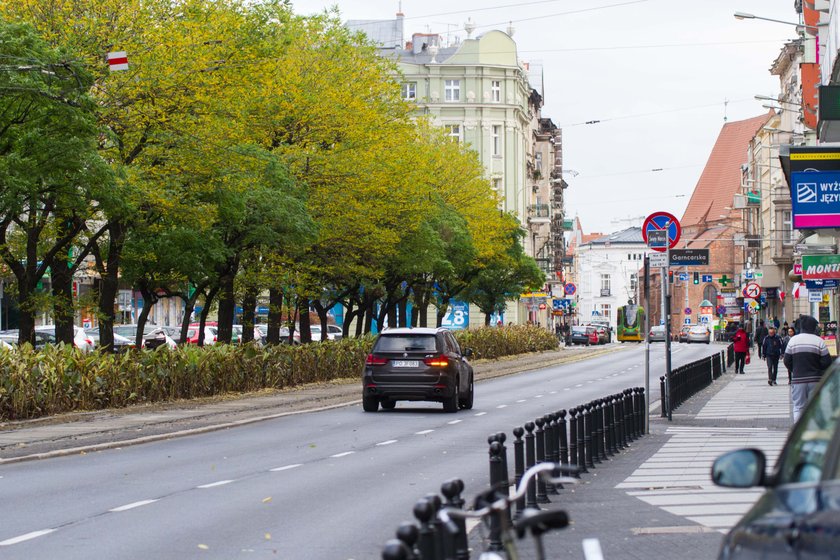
x=578, y=385
x=389, y=442
x=287, y=467
x=423, y=433
x=339, y=455
x=454, y=422
x=132, y=505
x=502, y=406
x=26, y=537
x=539, y=396
x=213, y=484
x=553, y=393
x=522, y=400
x=480, y=413
x=567, y=389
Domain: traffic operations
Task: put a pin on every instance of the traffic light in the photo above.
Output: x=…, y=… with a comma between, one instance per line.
x=671, y=276
x=696, y=277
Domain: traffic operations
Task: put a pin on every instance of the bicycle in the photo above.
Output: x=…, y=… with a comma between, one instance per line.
x=494, y=508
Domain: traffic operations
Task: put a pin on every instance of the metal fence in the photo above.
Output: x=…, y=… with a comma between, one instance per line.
x=689, y=379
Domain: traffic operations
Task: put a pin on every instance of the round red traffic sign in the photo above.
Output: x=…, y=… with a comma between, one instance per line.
x=751, y=290
x=662, y=221
x=570, y=289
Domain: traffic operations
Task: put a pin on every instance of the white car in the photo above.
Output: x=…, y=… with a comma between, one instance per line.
x=80, y=338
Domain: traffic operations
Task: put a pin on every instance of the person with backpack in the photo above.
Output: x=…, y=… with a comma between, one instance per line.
x=760, y=332
x=807, y=357
x=771, y=348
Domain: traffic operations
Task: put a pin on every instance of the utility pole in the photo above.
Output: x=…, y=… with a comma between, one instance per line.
x=647, y=344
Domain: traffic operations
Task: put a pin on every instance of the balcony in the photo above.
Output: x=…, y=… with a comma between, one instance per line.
x=539, y=214
x=605, y=292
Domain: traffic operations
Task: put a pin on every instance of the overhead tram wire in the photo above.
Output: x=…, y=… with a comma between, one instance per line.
x=653, y=113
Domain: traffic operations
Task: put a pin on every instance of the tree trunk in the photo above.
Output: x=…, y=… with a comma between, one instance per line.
x=109, y=284
x=26, y=318
x=150, y=299
x=305, y=331
x=370, y=306
x=63, y=310
x=487, y=319
x=208, y=300
x=249, y=308
x=275, y=315
x=403, y=312
x=227, y=305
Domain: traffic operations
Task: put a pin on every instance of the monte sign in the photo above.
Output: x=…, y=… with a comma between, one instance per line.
x=820, y=267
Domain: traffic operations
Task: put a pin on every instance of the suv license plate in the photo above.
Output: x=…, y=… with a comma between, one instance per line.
x=406, y=363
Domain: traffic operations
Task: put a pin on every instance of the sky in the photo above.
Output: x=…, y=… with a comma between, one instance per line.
x=661, y=76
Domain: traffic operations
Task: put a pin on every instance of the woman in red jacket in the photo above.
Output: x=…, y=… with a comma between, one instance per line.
x=741, y=345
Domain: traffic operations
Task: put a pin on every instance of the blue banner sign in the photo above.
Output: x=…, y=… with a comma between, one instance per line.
x=822, y=284
x=816, y=199
x=457, y=316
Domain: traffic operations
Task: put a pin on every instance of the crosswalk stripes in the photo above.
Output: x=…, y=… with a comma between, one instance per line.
x=677, y=477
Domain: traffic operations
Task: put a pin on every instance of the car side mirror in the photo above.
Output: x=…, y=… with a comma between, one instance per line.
x=743, y=468
x=468, y=352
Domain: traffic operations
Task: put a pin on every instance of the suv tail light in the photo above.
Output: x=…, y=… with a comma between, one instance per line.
x=437, y=361
x=374, y=360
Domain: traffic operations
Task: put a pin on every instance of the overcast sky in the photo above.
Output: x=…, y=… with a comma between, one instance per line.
x=656, y=73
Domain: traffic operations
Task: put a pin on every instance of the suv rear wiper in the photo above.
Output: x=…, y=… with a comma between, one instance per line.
x=407, y=348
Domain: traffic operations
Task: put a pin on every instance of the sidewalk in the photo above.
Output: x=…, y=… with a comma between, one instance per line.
x=656, y=500
x=90, y=431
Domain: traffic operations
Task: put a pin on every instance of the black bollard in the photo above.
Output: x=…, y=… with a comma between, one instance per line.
x=519, y=464
x=642, y=411
x=573, y=452
x=637, y=410
x=602, y=432
x=426, y=548
x=609, y=441
x=564, y=442
x=497, y=484
x=587, y=435
x=581, y=431
x=539, y=436
x=628, y=415
x=408, y=533
x=455, y=546
x=663, y=408
x=530, y=461
x=395, y=549
x=437, y=525
x=552, y=454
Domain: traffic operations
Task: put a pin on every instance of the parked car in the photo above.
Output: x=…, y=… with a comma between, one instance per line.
x=699, y=333
x=417, y=364
x=121, y=343
x=584, y=334
x=798, y=516
x=603, y=333
x=5, y=345
x=334, y=332
x=80, y=338
x=42, y=338
x=604, y=330
x=657, y=333
x=210, y=333
x=153, y=335
x=682, y=336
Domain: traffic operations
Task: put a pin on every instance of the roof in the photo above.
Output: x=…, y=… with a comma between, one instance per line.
x=721, y=178
x=631, y=235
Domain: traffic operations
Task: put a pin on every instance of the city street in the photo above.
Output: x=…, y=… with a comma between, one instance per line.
x=277, y=487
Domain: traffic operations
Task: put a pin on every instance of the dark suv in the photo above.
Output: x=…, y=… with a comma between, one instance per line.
x=419, y=364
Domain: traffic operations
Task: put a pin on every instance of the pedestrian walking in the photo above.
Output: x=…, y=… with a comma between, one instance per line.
x=785, y=334
x=771, y=348
x=741, y=346
x=748, y=328
x=807, y=357
x=760, y=332
x=776, y=322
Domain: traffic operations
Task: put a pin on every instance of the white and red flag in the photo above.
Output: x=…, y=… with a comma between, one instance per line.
x=117, y=61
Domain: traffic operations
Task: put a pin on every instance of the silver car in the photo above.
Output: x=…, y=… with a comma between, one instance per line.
x=699, y=333
x=657, y=333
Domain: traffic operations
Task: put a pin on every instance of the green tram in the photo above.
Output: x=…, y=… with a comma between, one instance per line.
x=631, y=323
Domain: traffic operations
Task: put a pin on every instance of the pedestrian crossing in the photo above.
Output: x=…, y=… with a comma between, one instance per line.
x=677, y=477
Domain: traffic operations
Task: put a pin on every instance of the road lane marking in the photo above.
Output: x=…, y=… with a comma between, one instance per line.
x=26, y=537
x=522, y=400
x=389, y=442
x=539, y=396
x=454, y=422
x=553, y=393
x=502, y=406
x=480, y=413
x=423, y=433
x=339, y=455
x=214, y=484
x=132, y=505
x=287, y=467
x=578, y=385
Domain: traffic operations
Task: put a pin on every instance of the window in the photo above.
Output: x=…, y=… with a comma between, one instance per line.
x=634, y=282
x=605, y=284
x=454, y=132
x=452, y=90
x=497, y=185
x=409, y=91
x=496, y=91
x=497, y=140
x=538, y=162
x=606, y=310
x=787, y=227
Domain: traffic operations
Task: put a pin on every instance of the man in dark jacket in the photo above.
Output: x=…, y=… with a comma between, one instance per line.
x=772, y=350
x=807, y=357
x=760, y=333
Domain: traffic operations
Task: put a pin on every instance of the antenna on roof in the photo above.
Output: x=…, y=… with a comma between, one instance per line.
x=725, y=103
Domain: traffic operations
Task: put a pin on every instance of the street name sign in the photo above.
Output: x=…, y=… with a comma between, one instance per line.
x=689, y=257
x=822, y=284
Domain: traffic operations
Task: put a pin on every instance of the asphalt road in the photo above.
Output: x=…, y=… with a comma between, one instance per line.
x=328, y=485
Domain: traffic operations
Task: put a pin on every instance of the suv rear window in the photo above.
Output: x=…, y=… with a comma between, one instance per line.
x=405, y=343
